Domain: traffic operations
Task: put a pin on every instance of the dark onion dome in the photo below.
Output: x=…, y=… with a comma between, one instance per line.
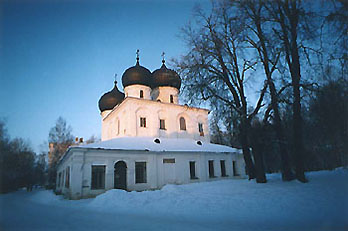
x=136, y=75
x=165, y=77
x=110, y=99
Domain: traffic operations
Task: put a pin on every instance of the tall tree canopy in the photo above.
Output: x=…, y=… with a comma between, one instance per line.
x=270, y=44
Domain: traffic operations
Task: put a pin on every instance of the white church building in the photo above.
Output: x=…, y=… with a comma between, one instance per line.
x=148, y=140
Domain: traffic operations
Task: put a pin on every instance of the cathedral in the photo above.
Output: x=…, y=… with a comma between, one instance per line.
x=148, y=140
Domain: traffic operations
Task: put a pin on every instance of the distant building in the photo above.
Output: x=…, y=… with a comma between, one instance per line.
x=148, y=140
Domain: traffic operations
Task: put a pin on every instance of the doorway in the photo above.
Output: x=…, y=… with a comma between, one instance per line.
x=120, y=175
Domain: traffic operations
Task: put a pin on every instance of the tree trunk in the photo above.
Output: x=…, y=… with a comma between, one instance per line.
x=243, y=136
x=298, y=148
x=258, y=158
x=257, y=142
x=297, y=118
x=287, y=175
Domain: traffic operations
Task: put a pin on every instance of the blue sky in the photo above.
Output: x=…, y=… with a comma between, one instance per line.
x=58, y=57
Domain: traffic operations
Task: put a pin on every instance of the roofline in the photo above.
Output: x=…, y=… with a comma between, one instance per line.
x=134, y=98
x=146, y=150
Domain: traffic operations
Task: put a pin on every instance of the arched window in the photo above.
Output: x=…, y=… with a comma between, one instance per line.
x=141, y=94
x=171, y=99
x=182, y=124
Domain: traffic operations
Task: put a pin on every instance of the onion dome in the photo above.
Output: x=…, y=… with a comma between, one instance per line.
x=165, y=77
x=110, y=99
x=136, y=75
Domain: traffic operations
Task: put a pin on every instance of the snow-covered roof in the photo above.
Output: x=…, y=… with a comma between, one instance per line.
x=165, y=144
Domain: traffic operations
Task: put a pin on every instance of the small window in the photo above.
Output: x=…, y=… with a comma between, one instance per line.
x=62, y=182
x=211, y=168
x=235, y=173
x=223, y=168
x=193, y=170
x=182, y=124
x=143, y=122
x=59, y=178
x=169, y=161
x=200, y=129
x=171, y=99
x=141, y=94
x=98, y=177
x=67, y=177
x=140, y=172
x=162, y=124
x=157, y=141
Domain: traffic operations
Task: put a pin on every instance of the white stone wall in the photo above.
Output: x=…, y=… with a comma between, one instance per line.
x=134, y=91
x=158, y=173
x=163, y=94
x=124, y=120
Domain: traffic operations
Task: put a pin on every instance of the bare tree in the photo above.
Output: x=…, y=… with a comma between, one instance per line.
x=216, y=69
x=59, y=138
x=293, y=27
x=260, y=36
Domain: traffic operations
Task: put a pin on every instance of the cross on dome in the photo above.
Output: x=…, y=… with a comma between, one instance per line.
x=137, y=56
x=163, y=60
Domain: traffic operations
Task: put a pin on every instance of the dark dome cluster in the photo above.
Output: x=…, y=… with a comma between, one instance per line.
x=140, y=75
x=110, y=99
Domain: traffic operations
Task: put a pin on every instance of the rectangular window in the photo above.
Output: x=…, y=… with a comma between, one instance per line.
x=171, y=99
x=143, y=122
x=169, y=161
x=223, y=168
x=140, y=172
x=62, y=182
x=234, y=168
x=193, y=170
x=59, y=178
x=211, y=168
x=67, y=177
x=200, y=129
x=162, y=124
x=98, y=177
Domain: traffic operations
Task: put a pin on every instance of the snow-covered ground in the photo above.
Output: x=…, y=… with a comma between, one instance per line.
x=322, y=204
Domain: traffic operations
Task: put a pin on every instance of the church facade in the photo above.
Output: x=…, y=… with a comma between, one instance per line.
x=148, y=140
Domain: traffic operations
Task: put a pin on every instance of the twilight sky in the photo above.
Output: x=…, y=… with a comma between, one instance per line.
x=57, y=58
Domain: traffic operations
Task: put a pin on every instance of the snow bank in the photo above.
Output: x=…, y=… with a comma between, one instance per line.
x=289, y=201
x=320, y=204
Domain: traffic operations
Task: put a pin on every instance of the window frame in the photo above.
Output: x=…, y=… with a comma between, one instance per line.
x=182, y=124
x=234, y=168
x=67, y=177
x=200, y=129
x=98, y=177
x=140, y=177
x=223, y=168
x=211, y=169
x=192, y=165
x=63, y=179
x=164, y=124
x=143, y=122
x=59, y=178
